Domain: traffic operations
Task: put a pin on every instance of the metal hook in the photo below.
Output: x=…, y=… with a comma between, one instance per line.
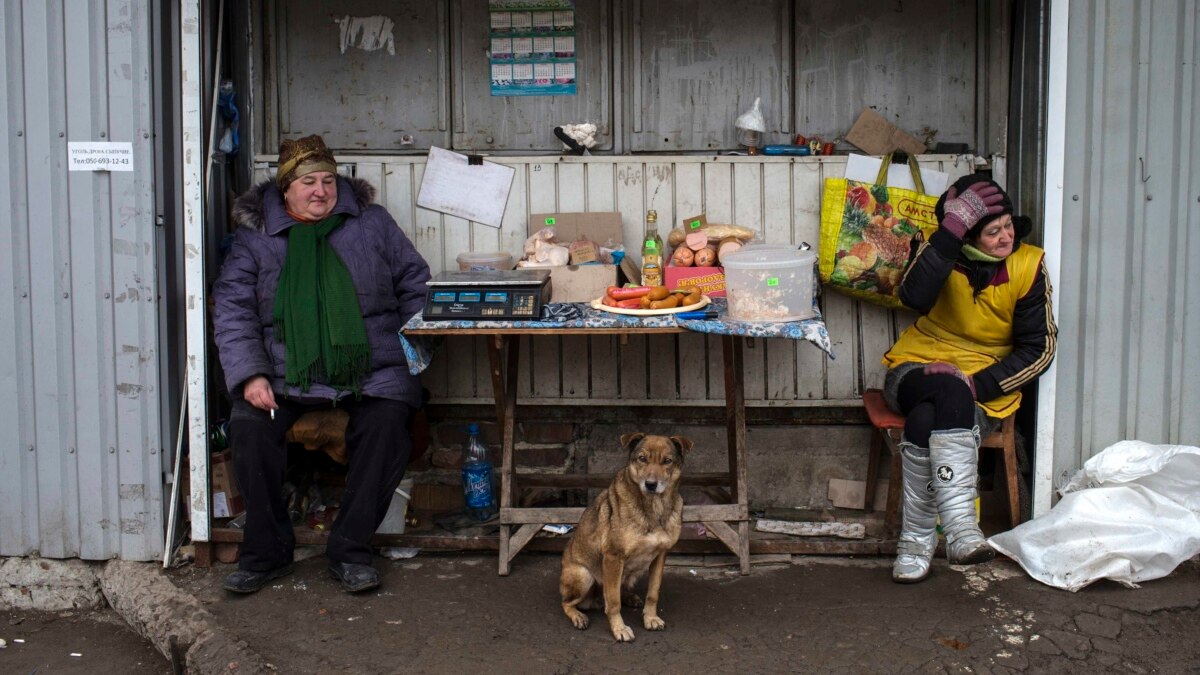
x=1142, y=162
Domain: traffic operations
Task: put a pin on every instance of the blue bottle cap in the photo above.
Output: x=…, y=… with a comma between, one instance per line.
x=472, y=428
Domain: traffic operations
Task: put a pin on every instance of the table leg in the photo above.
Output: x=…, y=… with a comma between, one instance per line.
x=504, y=353
x=735, y=418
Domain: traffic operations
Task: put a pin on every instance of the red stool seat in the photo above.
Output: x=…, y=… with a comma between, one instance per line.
x=888, y=426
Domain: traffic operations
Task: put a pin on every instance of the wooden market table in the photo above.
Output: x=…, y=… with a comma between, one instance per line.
x=729, y=522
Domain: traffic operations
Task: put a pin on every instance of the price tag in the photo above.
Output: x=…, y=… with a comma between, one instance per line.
x=549, y=221
x=695, y=224
x=773, y=281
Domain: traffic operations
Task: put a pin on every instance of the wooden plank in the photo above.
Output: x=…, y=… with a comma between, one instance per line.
x=718, y=192
x=875, y=337
x=662, y=351
x=747, y=197
x=693, y=355
x=841, y=374
x=633, y=354
x=460, y=365
x=398, y=196
x=428, y=229
x=779, y=374
x=522, y=537
x=543, y=515
x=602, y=480
x=545, y=353
x=725, y=534
x=807, y=184
x=812, y=529
x=572, y=196
x=699, y=513
x=603, y=357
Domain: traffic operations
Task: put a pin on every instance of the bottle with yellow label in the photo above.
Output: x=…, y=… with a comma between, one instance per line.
x=652, y=252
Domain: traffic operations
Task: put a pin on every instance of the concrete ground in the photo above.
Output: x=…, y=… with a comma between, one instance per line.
x=450, y=613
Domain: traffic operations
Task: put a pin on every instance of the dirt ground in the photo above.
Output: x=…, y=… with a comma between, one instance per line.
x=452, y=613
x=51, y=640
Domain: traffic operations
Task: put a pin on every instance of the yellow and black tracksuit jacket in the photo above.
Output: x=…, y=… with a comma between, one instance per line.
x=992, y=320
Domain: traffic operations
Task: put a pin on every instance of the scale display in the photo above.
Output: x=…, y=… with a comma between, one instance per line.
x=495, y=295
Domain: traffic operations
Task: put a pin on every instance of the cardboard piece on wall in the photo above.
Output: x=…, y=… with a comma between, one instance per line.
x=851, y=494
x=599, y=226
x=876, y=136
x=227, y=500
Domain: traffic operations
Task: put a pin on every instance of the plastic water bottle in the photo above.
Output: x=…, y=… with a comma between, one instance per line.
x=477, y=478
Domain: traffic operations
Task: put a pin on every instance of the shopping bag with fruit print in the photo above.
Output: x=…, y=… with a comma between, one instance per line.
x=866, y=233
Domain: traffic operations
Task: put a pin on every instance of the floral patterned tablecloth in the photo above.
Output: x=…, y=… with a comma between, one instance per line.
x=419, y=349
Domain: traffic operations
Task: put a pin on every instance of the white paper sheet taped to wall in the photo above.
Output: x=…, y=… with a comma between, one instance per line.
x=1131, y=514
x=367, y=33
x=476, y=192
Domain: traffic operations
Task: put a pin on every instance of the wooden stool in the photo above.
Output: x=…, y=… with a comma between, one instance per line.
x=890, y=425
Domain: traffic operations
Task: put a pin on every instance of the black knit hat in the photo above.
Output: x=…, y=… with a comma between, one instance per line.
x=1021, y=224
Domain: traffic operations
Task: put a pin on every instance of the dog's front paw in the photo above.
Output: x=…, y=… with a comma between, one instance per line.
x=652, y=622
x=578, y=619
x=622, y=633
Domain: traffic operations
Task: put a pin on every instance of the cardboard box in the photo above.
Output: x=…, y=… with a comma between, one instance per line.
x=226, y=499
x=876, y=136
x=710, y=280
x=581, y=283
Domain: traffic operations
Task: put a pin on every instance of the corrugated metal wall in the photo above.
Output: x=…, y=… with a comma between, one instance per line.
x=80, y=449
x=1129, y=347
x=780, y=198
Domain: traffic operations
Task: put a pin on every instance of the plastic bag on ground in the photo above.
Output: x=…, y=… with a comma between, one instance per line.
x=1131, y=514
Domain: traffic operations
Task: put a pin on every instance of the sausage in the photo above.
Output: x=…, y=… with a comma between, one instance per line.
x=608, y=301
x=658, y=292
x=666, y=303
x=691, y=298
x=630, y=303
x=619, y=293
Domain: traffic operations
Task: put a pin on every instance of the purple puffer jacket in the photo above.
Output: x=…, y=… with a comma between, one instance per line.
x=386, y=270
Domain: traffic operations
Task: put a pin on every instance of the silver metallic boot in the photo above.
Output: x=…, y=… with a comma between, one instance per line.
x=954, y=457
x=918, y=533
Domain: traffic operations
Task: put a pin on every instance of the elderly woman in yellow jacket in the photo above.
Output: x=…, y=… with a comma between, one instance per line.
x=986, y=331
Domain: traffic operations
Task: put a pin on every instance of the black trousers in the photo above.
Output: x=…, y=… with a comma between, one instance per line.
x=378, y=444
x=934, y=402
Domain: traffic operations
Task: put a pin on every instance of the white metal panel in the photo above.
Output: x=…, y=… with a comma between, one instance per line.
x=196, y=290
x=79, y=407
x=1130, y=332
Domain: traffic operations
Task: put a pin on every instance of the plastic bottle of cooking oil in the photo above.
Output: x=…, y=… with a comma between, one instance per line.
x=652, y=252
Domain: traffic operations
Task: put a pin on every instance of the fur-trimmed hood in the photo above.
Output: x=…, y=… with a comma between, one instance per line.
x=261, y=207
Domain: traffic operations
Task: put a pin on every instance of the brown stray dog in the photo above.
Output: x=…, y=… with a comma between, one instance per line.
x=627, y=530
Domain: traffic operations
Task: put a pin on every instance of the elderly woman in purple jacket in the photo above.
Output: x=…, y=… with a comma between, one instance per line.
x=308, y=304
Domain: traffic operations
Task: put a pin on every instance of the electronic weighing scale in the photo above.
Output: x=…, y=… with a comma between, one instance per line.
x=492, y=294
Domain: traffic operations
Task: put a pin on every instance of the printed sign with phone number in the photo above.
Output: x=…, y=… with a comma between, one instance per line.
x=91, y=156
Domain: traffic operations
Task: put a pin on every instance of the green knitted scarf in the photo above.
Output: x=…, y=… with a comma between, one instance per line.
x=317, y=316
x=975, y=254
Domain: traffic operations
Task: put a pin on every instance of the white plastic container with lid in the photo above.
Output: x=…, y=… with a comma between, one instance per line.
x=476, y=261
x=769, y=283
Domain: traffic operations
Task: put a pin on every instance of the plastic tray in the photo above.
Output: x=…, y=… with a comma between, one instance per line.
x=704, y=300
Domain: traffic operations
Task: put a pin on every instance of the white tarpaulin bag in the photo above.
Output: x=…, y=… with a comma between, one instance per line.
x=1131, y=514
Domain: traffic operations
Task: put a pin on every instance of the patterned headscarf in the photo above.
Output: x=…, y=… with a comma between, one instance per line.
x=301, y=157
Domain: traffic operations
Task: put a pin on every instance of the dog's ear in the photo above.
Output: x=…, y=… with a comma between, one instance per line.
x=683, y=443
x=629, y=440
